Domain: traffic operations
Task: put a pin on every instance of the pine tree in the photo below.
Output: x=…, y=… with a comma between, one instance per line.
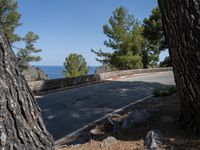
x=25, y=54
x=125, y=39
x=21, y=124
x=155, y=40
x=75, y=65
x=182, y=27
x=9, y=18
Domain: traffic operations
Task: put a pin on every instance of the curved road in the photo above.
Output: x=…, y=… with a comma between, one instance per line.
x=68, y=110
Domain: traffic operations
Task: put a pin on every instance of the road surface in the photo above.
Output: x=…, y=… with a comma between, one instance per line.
x=66, y=111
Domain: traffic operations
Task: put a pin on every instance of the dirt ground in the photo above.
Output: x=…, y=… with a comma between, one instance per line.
x=164, y=118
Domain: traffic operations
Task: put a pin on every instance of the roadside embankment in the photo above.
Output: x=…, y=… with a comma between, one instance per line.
x=156, y=128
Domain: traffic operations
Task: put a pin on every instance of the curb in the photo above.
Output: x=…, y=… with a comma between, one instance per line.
x=78, y=132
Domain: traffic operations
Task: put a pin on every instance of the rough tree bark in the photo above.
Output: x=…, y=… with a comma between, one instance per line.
x=181, y=21
x=21, y=125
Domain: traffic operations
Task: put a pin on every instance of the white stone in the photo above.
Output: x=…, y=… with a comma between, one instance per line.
x=153, y=140
x=108, y=141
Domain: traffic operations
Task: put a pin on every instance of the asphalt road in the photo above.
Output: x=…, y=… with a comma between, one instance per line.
x=66, y=111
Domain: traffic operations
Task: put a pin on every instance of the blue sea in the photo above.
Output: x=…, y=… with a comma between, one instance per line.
x=54, y=72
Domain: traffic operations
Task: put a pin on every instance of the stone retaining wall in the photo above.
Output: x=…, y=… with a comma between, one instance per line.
x=53, y=84
x=114, y=74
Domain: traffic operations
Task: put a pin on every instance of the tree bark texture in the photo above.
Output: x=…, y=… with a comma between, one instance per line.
x=181, y=21
x=21, y=125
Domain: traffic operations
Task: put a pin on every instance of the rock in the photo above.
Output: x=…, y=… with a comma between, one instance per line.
x=108, y=141
x=75, y=146
x=116, y=121
x=34, y=74
x=136, y=117
x=107, y=126
x=97, y=131
x=153, y=140
x=115, y=118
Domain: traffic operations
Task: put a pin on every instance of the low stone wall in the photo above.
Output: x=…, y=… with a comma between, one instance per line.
x=114, y=74
x=53, y=84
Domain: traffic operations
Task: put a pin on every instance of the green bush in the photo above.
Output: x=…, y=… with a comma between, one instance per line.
x=169, y=90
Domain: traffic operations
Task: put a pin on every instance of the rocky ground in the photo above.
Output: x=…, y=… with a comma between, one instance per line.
x=151, y=124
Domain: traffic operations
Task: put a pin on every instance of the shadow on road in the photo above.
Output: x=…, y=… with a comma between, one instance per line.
x=66, y=111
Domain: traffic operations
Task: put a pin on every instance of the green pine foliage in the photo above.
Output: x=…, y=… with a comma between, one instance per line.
x=125, y=39
x=25, y=54
x=153, y=29
x=134, y=45
x=166, y=62
x=9, y=19
x=75, y=66
x=155, y=40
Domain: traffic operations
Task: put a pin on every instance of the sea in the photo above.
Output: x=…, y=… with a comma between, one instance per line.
x=55, y=72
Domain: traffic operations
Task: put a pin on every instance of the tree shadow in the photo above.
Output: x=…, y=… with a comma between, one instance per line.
x=66, y=111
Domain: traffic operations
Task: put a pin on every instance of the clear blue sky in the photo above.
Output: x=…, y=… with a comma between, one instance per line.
x=68, y=26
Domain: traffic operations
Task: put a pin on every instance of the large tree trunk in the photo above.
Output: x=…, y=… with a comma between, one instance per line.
x=21, y=125
x=181, y=21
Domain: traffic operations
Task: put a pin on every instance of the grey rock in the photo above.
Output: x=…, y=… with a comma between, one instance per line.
x=108, y=141
x=153, y=140
x=136, y=117
x=116, y=121
x=34, y=74
x=96, y=131
x=115, y=118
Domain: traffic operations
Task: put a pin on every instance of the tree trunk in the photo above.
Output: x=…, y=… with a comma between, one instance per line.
x=21, y=125
x=181, y=21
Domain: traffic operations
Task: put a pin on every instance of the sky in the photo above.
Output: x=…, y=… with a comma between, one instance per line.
x=73, y=26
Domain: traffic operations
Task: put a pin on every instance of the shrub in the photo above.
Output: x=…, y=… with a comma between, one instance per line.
x=169, y=90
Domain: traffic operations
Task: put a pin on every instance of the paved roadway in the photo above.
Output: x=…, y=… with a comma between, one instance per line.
x=66, y=111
